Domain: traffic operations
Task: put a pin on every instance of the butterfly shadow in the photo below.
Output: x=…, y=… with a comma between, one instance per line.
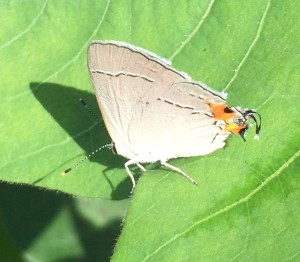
x=63, y=104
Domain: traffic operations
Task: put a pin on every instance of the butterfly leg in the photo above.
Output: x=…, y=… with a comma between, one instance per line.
x=178, y=170
x=141, y=167
x=131, y=162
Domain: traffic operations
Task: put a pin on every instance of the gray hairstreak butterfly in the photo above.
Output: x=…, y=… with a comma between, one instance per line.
x=155, y=113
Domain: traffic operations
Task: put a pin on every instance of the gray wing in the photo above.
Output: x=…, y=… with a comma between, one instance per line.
x=147, y=106
x=126, y=81
x=192, y=125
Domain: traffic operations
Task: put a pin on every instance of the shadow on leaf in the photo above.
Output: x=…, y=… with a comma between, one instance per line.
x=62, y=103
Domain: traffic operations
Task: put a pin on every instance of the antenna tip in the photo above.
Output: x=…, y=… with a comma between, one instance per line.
x=66, y=171
x=82, y=101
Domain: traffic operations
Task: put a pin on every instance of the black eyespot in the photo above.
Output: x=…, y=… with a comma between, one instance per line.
x=228, y=110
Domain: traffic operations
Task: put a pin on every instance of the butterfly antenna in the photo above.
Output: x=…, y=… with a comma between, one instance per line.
x=91, y=112
x=257, y=120
x=85, y=158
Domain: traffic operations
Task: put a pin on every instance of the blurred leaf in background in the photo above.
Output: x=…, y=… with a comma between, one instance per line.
x=51, y=226
x=246, y=205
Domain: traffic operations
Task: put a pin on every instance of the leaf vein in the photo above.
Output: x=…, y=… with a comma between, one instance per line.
x=71, y=60
x=291, y=258
x=27, y=29
x=245, y=199
x=49, y=146
x=258, y=34
x=196, y=29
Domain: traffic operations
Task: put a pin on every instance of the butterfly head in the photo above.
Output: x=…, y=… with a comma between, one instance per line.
x=236, y=119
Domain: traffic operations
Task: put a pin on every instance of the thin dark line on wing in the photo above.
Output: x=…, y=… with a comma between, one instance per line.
x=204, y=88
x=196, y=112
x=169, y=101
x=147, y=55
x=201, y=97
x=122, y=73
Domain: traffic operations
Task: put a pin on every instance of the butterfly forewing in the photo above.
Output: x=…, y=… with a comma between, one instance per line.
x=148, y=107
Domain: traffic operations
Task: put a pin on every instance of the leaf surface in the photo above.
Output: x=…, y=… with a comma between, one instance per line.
x=246, y=204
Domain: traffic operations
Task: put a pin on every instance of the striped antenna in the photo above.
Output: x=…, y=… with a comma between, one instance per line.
x=85, y=158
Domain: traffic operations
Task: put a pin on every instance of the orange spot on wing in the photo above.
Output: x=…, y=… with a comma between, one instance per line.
x=219, y=111
x=234, y=128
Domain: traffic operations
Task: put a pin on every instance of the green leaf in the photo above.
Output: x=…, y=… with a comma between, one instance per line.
x=245, y=206
x=50, y=226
